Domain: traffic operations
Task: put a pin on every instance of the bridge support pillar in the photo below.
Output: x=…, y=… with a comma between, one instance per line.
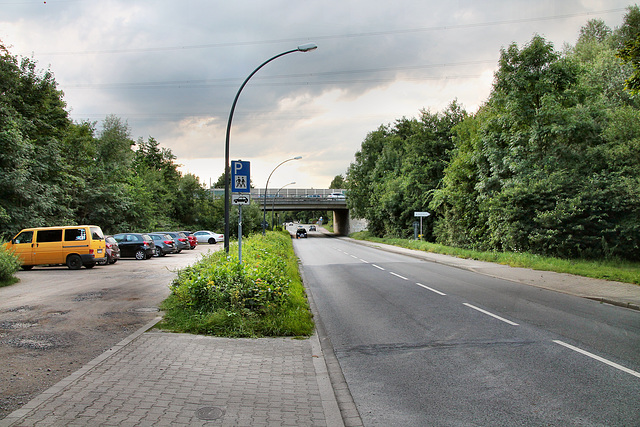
x=341, y=222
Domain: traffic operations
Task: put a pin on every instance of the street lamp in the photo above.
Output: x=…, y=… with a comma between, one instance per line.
x=273, y=204
x=264, y=203
x=227, y=167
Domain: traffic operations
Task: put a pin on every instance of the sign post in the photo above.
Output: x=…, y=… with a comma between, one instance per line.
x=241, y=191
x=421, y=215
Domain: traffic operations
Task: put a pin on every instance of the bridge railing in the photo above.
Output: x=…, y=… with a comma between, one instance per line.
x=294, y=192
x=308, y=194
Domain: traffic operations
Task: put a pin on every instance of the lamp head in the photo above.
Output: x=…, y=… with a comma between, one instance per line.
x=297, y=158
x=307, y=47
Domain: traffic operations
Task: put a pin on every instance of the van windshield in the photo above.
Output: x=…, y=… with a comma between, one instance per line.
x=96, y=233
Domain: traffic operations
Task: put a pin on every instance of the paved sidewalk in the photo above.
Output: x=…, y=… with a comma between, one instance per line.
x=163, y=379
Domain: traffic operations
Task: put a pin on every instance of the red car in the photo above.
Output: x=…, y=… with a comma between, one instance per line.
x=193, y=241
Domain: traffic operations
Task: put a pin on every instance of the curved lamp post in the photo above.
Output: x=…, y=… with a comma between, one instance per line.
x=264, y=204
x=273, y=204
x=227, y=167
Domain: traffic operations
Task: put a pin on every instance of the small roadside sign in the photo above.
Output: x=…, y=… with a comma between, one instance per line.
x=240, y=177
x=421, y=214
x=240, y=199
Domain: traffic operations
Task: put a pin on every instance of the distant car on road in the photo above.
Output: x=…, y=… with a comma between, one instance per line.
x=301, y=232
x=206, y=236
x=338, y=196
x=312, y=228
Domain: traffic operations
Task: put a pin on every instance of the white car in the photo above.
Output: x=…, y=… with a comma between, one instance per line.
x=205, y=236
x=338, y=196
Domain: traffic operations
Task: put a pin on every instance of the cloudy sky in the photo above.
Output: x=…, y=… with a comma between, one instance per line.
x=171, y=68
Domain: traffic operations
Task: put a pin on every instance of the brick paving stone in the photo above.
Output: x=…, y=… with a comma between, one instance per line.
x=164, y=379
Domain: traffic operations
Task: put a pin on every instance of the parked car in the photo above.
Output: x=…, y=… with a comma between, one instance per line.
x=74, y=246
x=301, y=232
x=164, y=244
x=312, y=228
x=180, y=239
x=193, y=241
x=205, y=236
x=112, y=249
x=137, y=245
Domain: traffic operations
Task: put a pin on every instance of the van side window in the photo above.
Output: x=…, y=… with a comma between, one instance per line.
x=49, y=236
x=25, y=237
x=96, y=233
x=71, y=234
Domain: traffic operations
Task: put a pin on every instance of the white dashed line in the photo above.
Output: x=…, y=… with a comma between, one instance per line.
x=397, y=275
x=365, y=261
x=378, y=267
x=431, y=289
x=491, y=314
x=598, y=358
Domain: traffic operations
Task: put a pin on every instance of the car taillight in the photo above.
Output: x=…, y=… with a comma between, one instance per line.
x=183, y=240
x=168, y=242
x=90, y=251
x=145, y=244
x=109, y=245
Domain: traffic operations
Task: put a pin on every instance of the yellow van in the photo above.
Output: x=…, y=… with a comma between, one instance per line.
x=74, y=246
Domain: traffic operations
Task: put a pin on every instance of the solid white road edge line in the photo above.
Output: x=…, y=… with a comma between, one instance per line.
x=598, y=358
x=491, y=314
x=431, y=289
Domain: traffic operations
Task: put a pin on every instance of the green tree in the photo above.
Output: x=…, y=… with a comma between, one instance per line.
x=33, y=122
x=338, y=182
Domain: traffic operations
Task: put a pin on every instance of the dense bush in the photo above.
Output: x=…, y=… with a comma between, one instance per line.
x=9, y=265
x=263, y=296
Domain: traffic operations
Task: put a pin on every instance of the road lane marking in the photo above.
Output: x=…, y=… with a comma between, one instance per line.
x=491, y=314
x=598, y=358
x=378, y=267
x=365, y=261
x=431, y=289
x=397, y=275
x=353, y=256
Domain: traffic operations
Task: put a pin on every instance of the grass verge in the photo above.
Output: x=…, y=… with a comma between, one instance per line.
x=263, y=296
x=618, y=270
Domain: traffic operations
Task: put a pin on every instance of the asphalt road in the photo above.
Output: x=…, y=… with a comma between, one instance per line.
x=426, y=344
x=55, y=320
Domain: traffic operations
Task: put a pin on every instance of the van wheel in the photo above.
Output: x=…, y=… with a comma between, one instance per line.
x=27, y=267
x=140, y=254
x=74, y=262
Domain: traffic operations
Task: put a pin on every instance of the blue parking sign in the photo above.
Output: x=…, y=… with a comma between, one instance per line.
x=240, y=177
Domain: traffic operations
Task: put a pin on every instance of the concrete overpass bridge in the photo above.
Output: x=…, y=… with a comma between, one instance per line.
x=306, y=199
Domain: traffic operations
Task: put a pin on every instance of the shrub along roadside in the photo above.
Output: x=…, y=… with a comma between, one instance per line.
x=9, y=265
x=618, y=270
x=263, y=296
